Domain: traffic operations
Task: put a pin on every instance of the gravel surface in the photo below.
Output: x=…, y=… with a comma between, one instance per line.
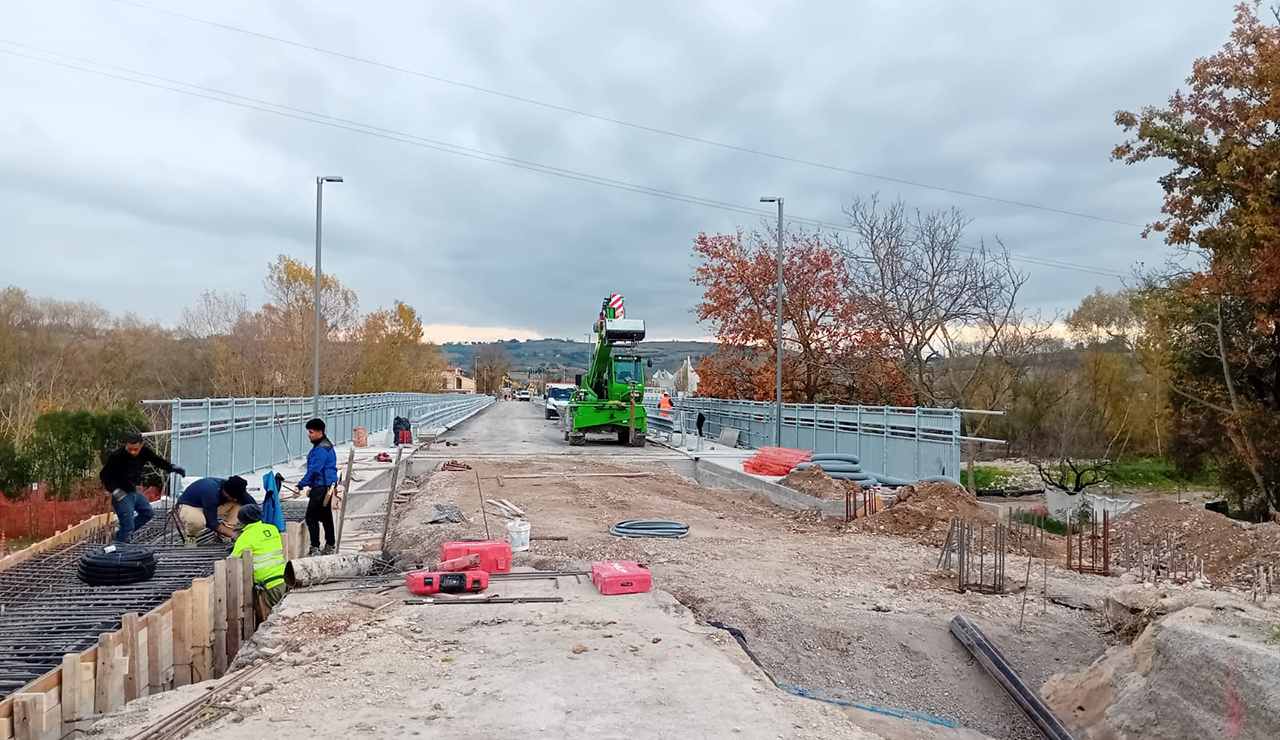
x=846, y=614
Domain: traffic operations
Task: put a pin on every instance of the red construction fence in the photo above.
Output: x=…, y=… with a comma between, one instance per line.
x=34, y=516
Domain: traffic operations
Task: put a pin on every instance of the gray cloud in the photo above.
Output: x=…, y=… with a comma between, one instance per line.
x=140, y=198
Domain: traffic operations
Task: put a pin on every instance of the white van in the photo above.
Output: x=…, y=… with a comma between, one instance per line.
x=557, y=399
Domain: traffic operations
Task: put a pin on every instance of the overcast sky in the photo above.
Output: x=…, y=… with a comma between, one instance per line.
x=140, y=198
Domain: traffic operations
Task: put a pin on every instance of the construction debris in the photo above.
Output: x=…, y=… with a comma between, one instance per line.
x=448, y=513
x=454, y=466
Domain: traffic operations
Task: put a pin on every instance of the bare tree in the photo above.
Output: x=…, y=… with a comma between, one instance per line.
x=215, y=314
x=948, y=311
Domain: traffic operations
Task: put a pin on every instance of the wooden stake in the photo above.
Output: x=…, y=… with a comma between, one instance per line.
x=135, y=677
x=235, y=588
x=219, y=618
x=201, y=626
x=248, y=622
x=182, y=647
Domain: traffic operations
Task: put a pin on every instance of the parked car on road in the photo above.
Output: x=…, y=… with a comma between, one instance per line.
x=523, y=396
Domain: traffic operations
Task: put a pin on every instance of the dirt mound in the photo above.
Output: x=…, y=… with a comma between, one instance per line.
x=1231, y=551
x=815, y=482
x=924, y=510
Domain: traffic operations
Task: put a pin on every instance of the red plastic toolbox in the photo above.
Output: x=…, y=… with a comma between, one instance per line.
x=621, y=577
x=495, y=555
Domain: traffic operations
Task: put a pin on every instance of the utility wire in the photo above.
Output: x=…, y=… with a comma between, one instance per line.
x=301, y=114
x=628, y=124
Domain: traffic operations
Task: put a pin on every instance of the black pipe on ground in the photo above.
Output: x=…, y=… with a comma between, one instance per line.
x=998, y=666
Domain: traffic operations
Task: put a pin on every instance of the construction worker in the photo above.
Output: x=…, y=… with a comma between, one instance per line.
x=122, y=474
x=665, y=406
x=268, y=558
x=212, y=503
x=322, y=473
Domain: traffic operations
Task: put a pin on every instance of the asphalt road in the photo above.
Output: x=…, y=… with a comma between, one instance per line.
x=518, y=428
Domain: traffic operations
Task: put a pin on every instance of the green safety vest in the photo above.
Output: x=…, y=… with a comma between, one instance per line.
x=268, y=552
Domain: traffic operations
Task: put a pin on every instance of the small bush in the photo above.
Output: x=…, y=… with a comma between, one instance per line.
x=15, y=470
x=67, y=447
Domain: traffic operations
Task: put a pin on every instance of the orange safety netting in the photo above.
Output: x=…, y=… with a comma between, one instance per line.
x=775, y=460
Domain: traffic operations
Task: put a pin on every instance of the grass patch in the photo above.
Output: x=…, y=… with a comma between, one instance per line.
x=1154, y=472
x=986, y=477
x=1273, y=634
x=1043, y=521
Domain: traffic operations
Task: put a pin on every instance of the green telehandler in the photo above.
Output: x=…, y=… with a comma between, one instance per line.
x=613, y=390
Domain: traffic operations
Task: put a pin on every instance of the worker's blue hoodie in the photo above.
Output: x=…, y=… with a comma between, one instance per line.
x=322, y=465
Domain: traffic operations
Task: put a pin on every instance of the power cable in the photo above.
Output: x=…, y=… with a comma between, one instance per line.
x=628, y=124
x=426, y=143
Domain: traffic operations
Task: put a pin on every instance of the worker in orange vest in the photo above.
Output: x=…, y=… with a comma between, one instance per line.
x=665, y=406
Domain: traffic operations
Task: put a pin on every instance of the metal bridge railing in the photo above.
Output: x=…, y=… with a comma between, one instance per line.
x=237, y=436
x=905, y=442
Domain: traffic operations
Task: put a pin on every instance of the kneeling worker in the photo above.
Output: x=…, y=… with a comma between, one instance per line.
x=212, y=503
x=268, y=558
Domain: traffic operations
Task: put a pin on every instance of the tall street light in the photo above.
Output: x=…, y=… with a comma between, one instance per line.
x=777, y=404
x=315, y=375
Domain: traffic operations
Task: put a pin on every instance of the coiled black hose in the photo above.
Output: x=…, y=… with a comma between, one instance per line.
x=650, y=528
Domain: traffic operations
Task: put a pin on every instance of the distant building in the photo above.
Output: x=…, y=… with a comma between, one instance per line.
x=662, y=380
x=686, y=378
x=455, y=381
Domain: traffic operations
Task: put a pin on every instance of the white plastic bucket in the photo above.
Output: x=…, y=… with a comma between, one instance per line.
x=518, y=535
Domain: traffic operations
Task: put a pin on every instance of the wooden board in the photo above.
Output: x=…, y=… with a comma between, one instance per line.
x=200, y=629
x=181, y=600
x=248, y=621
x=133, y=683
x=234, y=589
x=108, y=678
x=28, y=716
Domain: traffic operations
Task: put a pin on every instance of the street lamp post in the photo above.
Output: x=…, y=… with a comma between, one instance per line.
x=315, y=370
x=777, y=404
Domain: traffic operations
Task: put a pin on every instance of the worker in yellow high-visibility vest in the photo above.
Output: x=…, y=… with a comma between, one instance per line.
x=268, y=558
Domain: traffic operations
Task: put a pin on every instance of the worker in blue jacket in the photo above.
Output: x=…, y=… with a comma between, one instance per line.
x=321, y=476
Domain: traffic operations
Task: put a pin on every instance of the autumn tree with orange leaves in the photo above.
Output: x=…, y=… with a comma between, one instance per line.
x=829, y=355
x=1212, y=325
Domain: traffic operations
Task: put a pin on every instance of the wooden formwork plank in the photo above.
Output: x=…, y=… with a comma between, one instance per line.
x=219, y=617
x=248, y=621
x=235, y=589
x=6, y=728
x=77, y=692
x=29, y=713
x=181, y=616
x=108, y=690
x=201, y=629
x=129, y=628
x=161, y=674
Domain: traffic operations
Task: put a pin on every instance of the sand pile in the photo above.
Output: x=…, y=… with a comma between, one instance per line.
x=1231, y=550
x=815, y=482
x=924, y=511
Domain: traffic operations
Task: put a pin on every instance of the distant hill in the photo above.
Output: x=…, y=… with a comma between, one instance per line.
x=538, y=355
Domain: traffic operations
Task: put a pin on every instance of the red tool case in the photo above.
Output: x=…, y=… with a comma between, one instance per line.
x=426, y=582
x=495, y=555
x=621, y=577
